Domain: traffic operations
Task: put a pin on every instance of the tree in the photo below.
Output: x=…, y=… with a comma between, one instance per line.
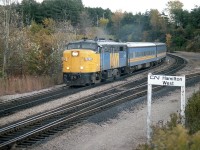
x=85, y=23
x=195, y=17
x=173, y=6
x=59, y=10
x=181, y=17
x=7, y=13
x=131, y=32
x=96, y=13
x=103, y=22
x=29, y=10
x=128, y=18
x=158, y=24
x=168, y=40
x=155, y=19
x=116, y=19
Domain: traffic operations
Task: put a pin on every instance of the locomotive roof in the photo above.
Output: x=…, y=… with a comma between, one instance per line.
x=129, y=44
x=108, y=42
x=100, y=42
x=140, y=44
x=157, y=43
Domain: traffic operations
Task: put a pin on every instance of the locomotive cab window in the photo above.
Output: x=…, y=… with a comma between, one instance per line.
x=86, y=45
x=82, y=45
x=74, y=46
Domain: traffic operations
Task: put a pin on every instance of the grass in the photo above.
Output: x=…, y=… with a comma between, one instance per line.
x=14, y=85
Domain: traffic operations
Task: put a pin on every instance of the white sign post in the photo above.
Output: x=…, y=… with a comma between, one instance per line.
x=165, y=81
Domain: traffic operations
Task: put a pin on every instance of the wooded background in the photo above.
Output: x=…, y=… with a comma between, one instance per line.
x=33, y=35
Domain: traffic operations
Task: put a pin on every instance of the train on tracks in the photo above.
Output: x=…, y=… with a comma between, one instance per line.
x=88, y=62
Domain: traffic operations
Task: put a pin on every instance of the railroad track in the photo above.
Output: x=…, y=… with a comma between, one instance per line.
x=29, y=131
x=25, y=102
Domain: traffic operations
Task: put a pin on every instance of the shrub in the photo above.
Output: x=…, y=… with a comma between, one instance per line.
x=192, y=113
x=174, y=135
x=194, y=44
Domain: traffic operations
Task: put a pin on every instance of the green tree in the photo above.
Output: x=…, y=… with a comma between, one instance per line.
x=29, y=9
x=195, y=17
x=128, y=18
x=97, y=13
x=173, y=6
x=181, y=17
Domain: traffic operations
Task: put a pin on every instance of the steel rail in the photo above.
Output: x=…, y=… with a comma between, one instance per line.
x=60, y=91
x=82, y=113
x=59, y=111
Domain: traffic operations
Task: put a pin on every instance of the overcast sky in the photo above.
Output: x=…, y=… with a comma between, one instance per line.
x=135, y=6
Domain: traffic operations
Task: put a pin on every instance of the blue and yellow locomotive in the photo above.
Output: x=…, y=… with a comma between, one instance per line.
x=91, y=61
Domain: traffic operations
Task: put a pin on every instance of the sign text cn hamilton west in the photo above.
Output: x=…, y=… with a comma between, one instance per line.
x=166, y=80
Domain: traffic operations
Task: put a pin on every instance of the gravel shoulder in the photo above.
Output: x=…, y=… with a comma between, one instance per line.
x=125, y=131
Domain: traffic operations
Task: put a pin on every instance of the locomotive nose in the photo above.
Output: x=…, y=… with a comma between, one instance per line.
x=65, y=78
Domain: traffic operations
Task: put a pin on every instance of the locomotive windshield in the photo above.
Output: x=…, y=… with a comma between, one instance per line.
x=82, y=45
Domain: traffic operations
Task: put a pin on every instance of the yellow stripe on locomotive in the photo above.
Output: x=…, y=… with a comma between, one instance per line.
x=114, y=60
x=81, y=61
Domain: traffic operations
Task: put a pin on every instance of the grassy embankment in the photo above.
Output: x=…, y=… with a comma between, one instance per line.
x=24, y=84
x=173, y=135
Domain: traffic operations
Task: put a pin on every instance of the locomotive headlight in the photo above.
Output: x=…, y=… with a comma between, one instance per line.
x=81, y=67
x=74, y=53
x=88, y=59
x=67, y=68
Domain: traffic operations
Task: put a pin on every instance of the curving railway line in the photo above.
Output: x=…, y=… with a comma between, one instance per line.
x=28, y=131
x=25, y=102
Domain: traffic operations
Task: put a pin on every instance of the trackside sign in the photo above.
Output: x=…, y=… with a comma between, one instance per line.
x=166, y=80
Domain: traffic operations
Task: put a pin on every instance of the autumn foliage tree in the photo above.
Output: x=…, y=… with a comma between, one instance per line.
x=168, y=40
x=116, y=19
x=103, y=22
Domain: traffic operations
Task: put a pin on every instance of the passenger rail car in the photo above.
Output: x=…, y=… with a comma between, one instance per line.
x=141, y=55
x=88, y=61
x=161, y=51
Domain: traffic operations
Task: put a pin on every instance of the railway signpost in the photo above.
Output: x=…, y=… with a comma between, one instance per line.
x=164, y=81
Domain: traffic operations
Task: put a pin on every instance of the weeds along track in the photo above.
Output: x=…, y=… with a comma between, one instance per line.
x=28, y=131
x=25, y=102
